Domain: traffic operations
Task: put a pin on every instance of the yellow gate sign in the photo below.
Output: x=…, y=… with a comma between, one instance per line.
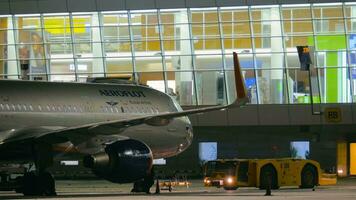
x=332, y=114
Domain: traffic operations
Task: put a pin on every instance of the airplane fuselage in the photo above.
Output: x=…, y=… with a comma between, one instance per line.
x=40, y=106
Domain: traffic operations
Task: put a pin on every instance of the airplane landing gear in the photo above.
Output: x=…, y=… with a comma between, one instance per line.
x=21, y=180
x=144, y=185
x=39, y=182
x=40, y=185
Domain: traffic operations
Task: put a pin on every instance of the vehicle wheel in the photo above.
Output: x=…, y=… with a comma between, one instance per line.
x=268, y=172
x=230, y=188
x=309, y=177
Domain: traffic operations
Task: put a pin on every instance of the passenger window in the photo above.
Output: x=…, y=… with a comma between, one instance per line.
x=19, y=107
x=24, y=107
x=69, y=108
x=13, y=107
x=39, y=108
x=31, y=108
x=48, y=108
x=2, y=106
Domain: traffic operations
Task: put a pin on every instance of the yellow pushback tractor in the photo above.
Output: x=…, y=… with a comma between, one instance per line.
x=233, y=173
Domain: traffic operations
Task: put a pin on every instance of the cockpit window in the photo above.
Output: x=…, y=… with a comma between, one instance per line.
x=176, y=104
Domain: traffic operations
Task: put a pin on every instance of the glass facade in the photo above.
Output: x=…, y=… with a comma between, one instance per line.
x=187, y=53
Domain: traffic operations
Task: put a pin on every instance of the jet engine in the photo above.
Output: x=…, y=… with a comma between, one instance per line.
x=123, y=161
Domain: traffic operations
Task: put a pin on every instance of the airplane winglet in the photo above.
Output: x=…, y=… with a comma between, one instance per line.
x=241, y=91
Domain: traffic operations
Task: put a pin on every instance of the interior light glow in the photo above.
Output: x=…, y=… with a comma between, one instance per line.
x=295, y=5
x=84, y=13
x=204, y=9
x=234, y=8
x=28, y=15
x=327, y=4
x=350, y=3
x=114, y=12
x=173, y=10
x=55, y=14
x=264, y=6
x=143, y=11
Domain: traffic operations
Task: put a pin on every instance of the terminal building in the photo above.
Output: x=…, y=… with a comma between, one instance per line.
x=184, y=48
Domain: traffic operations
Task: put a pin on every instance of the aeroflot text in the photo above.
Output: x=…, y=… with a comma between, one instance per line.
x=121, y=93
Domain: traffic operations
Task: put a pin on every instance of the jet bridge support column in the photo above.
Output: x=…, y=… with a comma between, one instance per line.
x=276, y=76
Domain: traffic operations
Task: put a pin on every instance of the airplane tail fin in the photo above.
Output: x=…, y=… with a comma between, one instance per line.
x=241, y=91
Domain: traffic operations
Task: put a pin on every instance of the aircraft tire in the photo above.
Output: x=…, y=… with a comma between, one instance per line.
x=29, y=184
x=46, y=184
x=38, y=185
x=144, y=184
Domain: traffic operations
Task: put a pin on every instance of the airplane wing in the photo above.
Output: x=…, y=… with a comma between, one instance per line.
x=76, y=134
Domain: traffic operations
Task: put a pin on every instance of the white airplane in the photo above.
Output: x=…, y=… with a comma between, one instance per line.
x=119, y=129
